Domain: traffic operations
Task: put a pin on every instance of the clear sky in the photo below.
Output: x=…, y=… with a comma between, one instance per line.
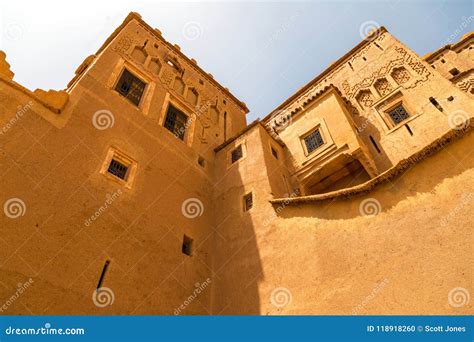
x=262, y=51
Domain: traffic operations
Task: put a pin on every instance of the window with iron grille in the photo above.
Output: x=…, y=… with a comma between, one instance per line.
x=398, y=114
x=130, y=87
x=237, y=153
x=117, y=169
x=248, y=202
x=176, y=122
x=313, y=141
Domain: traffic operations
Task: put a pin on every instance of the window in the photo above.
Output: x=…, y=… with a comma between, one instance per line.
x=248, y=202
x=237, y=153
x=275, y=153
x=201, y=161
x=187, y=247
x=118, y=169
x=176, y=121
x=313, y=141
x=130, y=87
x=398, y=114
x=454, y=72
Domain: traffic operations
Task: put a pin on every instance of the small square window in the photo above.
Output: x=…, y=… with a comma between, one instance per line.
x=187, y=247
x=176, y=121
x=237, y=153
x=131, y=87
x=454, y=72
x=398, y=114
x=201, y=161
x=313, y=140
x=248, y=202
x=118, y=169
x=274, y=153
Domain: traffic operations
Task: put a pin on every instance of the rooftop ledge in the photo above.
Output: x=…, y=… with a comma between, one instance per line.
x=388, y=175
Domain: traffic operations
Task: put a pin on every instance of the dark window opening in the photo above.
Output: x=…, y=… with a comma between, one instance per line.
x=454, y=72
x=451, y=98
x=350, y=65
x=248, y=202
x=237, y=153
x=275, y=153
x=201, y=161
x=372, y=140
x=118, y=169
x=398, y=115
x=409, y=129
x=313, y=141
x=187, y=247
x=131, y=87
x=436, y=104
x=176, y=121
x=443, y=61
x=102, y=275
x=225, y=126
x=377, y=45
x=365, y=59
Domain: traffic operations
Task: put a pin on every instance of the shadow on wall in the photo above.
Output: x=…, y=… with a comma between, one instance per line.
x=237, y=268
x=422, y=178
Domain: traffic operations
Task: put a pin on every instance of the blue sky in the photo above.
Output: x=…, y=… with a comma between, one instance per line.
x=262, y=51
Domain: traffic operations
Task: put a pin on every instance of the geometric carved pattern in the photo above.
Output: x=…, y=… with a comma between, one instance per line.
x=365, y=98
x=401, y=75
x=383, y=87
x=139, y=54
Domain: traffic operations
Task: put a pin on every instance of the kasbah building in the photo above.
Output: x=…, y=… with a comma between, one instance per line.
x=142, y=189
